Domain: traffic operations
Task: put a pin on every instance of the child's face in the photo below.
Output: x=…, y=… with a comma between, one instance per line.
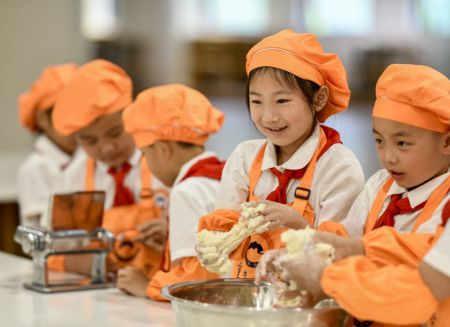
x=106, y=140
x=280, y=112
x=412, y=155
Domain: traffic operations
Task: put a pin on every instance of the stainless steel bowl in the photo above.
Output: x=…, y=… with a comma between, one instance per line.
x=237, y=302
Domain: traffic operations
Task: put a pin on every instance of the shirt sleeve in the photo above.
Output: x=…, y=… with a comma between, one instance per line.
x=356, y=219
x=386, y=246
x=339, y=181
x=439, y=255
x=33, y=188
x=189, y=201
x=389, y=294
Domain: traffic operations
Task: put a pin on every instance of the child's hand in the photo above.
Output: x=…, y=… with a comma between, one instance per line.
x=344, y=247
x=306, y=271
x=153, y=234
x=282, y=216
x=267, y=268
x=132, y=281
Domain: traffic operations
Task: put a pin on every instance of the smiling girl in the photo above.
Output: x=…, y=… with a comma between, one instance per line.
x=301, y=171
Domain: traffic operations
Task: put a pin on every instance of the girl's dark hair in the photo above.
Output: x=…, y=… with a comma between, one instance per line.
x=306, y=87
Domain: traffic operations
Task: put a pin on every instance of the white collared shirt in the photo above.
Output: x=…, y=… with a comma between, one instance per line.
x=439, y=255
x=189, y=201
x=337, y=180
x=73, y=178
x=37, y=176
x=357, y=217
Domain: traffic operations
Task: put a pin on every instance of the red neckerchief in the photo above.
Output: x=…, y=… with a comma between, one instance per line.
x=279, y=194
x=210, y=167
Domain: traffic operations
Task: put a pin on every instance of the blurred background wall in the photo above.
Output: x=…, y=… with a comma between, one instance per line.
x=203, y=43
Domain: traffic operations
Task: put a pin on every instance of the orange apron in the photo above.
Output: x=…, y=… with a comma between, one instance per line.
x=246, y=257
x=125, y=220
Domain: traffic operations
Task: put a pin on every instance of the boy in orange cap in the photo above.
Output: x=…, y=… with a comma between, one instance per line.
x=301, y=172
x=170, y=124
x=90, y=107
x=411, y=120
x=52, y=151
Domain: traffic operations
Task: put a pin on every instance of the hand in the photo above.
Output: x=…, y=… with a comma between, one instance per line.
x=132, y=281
x=282, y=216
x=153, y=234
x=344, y=247
x=306, y=271
x=268, y=269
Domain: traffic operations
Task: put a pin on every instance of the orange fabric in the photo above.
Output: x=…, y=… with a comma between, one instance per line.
x=396, y=206
x=44, y=92
x=56, y=262
x=387, y=246
x=385, y=284
x=221, y=220
x=171, y=112
x=414, y=95
x=388, y=294
x=123, y=195
x=302, y=55
x=333, y=227
x=188, y=269
x=97, y=89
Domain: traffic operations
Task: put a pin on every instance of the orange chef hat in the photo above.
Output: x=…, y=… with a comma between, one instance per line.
x=415, y=95
x=171, y=112
x=42, y=95
x=98, y=88
x=301, y=54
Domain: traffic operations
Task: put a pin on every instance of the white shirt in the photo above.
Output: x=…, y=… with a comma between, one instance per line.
x=74, y=176
x=37, y=176
x=357, y=217
x=189, y=201
x=439, y=255
x=337, y=180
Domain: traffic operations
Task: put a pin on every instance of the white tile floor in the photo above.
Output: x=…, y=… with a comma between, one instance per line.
x=354, y=125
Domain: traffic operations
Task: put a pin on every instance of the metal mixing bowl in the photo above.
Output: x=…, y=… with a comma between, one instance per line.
x=237, y=302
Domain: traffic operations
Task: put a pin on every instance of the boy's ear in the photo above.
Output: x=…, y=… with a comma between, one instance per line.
x=446, y=146
x=321, y=98
x=166, y=150
x=43, y=120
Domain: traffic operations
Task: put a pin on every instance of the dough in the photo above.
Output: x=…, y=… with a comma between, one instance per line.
x=214, y=247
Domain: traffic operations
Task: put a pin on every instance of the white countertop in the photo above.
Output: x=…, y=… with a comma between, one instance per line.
x=111, y=307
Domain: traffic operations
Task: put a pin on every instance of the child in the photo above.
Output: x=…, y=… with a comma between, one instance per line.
x=411, y=124
x=52, y=151
x=302, y=170
x=170, y=124
x=90, y=107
